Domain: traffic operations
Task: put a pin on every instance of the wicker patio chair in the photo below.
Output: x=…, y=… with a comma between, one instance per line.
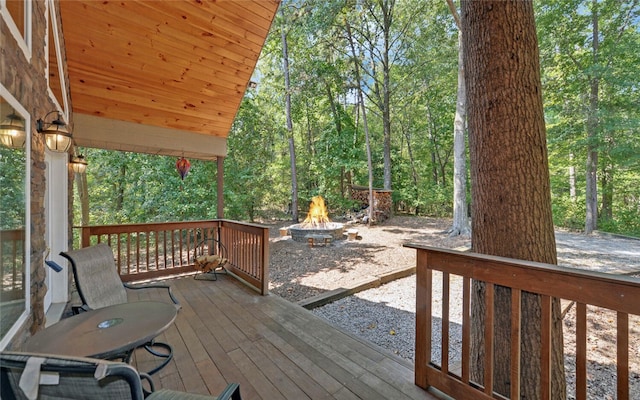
x=99, y=285
x=30, y=376
x=97, y=279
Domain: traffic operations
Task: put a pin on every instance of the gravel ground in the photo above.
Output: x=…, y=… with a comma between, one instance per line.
x=386, y=315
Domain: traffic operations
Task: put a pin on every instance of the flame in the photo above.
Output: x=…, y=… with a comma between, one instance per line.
x=318, y=214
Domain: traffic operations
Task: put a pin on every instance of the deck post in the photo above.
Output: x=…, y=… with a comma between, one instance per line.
x=220, y=187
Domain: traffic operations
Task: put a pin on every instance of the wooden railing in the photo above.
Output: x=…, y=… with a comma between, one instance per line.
x=146, y=251
x=582, y=288
x=12, y=253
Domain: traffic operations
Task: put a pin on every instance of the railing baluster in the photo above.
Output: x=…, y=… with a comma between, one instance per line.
x=164, y=249
x=581, y=351
x=489, y=338
x=622, y=372
x=444, y=347
x=137, y=238
x=466, y=328
x=128, y=255
x=184, y=234
x=423, y=320
x=545, y=347
x=516, y=300
x=147, y=250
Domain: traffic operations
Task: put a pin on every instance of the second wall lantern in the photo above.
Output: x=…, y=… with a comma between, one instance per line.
x=12, y=133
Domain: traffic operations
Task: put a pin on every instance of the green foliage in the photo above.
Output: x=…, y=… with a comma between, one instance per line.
x=568, y=213
x=328, y=130
x=135, y=188
x=12, y=188
x=572, y=69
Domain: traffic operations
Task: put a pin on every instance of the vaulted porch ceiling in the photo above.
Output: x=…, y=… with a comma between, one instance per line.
x=161, y=77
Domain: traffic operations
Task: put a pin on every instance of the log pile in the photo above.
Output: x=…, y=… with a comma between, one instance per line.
x=382, y=202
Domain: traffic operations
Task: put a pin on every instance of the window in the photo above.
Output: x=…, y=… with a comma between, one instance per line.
x=17, y=16
x=14, y=219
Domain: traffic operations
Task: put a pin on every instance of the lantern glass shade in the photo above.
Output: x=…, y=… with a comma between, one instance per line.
x=57, y=138
x=56, y=135
x=79, y=164
x=12, y=133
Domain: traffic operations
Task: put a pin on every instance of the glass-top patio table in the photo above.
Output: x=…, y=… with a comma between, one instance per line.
x=107, y=332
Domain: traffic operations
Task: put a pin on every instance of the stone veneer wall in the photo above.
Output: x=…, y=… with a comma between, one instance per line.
x=26, y=80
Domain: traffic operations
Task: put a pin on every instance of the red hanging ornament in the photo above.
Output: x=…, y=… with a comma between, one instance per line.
x=183, y=165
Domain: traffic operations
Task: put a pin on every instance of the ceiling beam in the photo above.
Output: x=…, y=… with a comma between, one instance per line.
x=111, y=134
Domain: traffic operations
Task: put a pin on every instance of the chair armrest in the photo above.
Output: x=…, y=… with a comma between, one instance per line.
x=155, y=286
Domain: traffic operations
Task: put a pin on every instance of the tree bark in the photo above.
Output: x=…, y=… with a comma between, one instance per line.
x=512, y=214
x=460, y=210
x=606, y=188
x=460, y=224
x=591, y=187
x=572, y=179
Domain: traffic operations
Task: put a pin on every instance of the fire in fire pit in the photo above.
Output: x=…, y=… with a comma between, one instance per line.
x=316, y=223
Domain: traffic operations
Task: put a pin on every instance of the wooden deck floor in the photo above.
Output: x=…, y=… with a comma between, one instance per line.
x=274, y=349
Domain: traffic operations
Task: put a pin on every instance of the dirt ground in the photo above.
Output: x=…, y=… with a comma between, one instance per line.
x=298, y=272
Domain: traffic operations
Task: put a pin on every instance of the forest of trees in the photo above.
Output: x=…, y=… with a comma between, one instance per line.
x=402, y=57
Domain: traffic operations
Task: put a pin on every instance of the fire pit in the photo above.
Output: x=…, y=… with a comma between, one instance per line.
x=299, y=231
x=316, y=223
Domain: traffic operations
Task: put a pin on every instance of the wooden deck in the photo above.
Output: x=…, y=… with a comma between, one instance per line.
x=225, y=332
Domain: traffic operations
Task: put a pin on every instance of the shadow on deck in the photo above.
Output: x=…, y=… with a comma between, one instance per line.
x=274, y=349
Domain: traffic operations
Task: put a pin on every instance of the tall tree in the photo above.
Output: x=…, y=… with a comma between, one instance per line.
x=512, y=214
x=287, y=94
x=384, y=38
x=460, y=224
x=356, y=69
x=591, y=192
x=382, y=90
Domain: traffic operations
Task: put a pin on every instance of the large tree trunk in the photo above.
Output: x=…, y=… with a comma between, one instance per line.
x=510, y=179
x=292, y=147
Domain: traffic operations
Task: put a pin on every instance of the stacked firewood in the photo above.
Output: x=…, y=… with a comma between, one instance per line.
x=382, y=203
x=209, y=263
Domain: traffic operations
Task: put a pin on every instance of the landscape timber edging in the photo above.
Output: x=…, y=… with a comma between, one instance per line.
x=336, y=294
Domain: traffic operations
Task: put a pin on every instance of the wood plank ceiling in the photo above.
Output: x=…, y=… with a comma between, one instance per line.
x=164, y=72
